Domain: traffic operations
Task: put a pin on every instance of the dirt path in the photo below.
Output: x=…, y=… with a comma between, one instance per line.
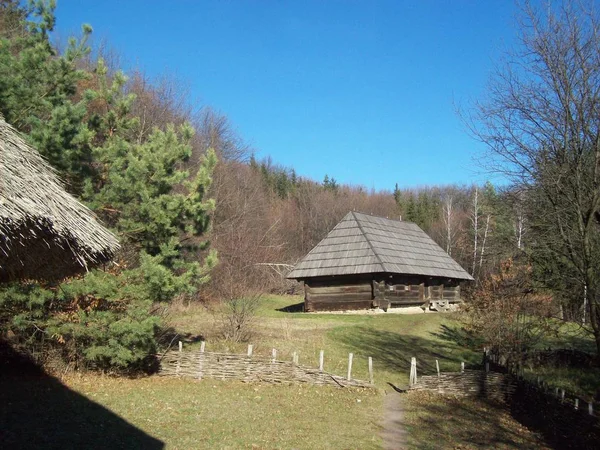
x=393, y=434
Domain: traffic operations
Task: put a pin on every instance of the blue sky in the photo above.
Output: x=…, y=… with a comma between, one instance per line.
x=365, y=91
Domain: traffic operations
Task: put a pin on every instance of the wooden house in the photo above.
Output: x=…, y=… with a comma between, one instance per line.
x=369, y=262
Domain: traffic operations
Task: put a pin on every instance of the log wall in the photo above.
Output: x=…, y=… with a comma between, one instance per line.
x=347, y=293
x=320, y=296
x=392, y=295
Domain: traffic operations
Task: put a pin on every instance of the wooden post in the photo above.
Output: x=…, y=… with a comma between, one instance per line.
x=350, y=356
x=462, y=367
x=413, y=371
x=273, y=355
x=250, y=347
x=371, y=371
x=562, y=395
x=201, y=359
x=321, y=360
x=295, y=358
x=576, y=403
x=590, y=408
x=437, y=366
x=178, y=368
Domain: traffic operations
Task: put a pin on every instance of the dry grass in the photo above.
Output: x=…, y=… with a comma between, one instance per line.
x=213, y=414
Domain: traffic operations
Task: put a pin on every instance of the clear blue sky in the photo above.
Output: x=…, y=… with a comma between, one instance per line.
x=364, y=91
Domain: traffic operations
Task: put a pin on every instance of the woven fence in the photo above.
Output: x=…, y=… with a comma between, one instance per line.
x=248, y=368
x=470, y=383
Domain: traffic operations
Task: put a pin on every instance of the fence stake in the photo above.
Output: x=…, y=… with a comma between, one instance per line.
x=201, y=359
x=350, y=356
x=590, y=408
x=562, y=395
x=273, y=355
x=462, y=367
x=413, y=371
x=250, y=347
x=295, y=358
x=556, y=392
x=576, y=403
x=371, y=371
x=437, y=366
x=321, y=360
x=177, y=370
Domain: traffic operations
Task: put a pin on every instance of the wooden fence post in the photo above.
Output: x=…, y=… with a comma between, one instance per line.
x=413, y=371
x=273, y=355
x=248, y=362
x=576, y=403
x=371, y=371
x=590, y=408
x=178, y=369
x=462, y=367
x=350, y=356
x=321, y=360
x=562, y=395
x=201, y=359
x=437, y=366
x=295, y=358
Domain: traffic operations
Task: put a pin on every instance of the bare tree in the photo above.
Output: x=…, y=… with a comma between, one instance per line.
x=475, y=222
x=449, y=218
x=541, y=123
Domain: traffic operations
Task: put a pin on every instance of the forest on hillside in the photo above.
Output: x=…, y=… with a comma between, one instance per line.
x=200, y=219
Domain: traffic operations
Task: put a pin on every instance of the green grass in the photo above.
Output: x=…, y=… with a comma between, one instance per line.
x=184, y=413
x=436, y=422
x=390, y=339
x=211, y=414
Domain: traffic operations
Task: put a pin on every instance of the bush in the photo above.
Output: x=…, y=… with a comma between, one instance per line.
x=238, y=317
x=507, y=314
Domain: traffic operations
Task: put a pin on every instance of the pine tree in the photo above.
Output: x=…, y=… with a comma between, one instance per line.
x=139, y=187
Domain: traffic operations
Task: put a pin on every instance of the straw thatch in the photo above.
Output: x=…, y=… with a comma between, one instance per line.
x=365, y=244
x=45, y=233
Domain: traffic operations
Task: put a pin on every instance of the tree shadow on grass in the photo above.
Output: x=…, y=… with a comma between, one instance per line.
x=436, y=422
x=459, y=336
x=38, y=411
x=394, y=351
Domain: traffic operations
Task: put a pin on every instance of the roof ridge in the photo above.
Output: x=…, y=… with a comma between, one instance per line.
x=384, y=218
x=368, y=241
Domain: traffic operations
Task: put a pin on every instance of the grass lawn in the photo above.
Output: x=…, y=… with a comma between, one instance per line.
x=184, y=413
x=212, y=414
x=390, y=339
x=436, y=422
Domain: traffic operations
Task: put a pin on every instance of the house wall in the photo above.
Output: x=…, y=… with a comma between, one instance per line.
x=343, y=293
x=338, y=293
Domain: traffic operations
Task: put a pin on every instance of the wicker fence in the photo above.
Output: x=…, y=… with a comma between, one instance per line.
x=250, y=368
x=474, y=383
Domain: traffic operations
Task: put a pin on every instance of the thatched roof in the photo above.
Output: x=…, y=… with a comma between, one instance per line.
x=362, y=244
x=45, y=233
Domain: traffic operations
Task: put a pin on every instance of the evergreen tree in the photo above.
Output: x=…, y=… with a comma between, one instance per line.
x=137, y=186
x=38, y=87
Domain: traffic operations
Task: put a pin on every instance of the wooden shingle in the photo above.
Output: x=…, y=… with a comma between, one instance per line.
x=362, y=244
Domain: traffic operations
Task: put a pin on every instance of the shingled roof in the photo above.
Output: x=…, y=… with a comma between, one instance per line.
x=362, y=244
